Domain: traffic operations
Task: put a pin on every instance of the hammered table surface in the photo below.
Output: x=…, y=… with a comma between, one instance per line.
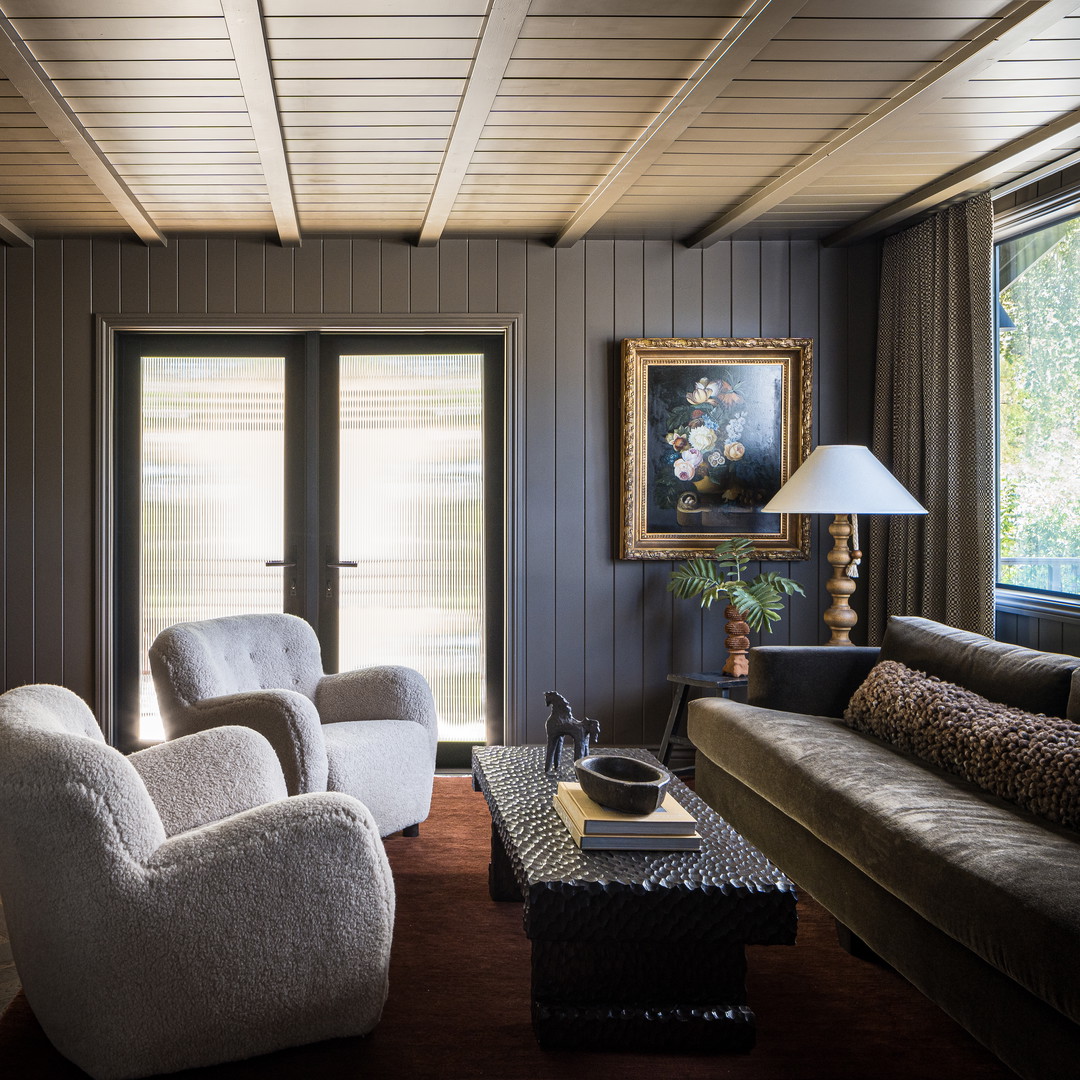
x=726, y=892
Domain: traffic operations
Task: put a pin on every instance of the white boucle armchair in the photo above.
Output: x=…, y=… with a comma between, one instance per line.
x=174, y=908
x=369, y=733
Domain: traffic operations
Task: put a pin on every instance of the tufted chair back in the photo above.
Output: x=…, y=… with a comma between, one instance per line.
x=369, y=733
x=198, y=660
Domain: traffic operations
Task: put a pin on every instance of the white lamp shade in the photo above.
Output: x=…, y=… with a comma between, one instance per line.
x=843, y=480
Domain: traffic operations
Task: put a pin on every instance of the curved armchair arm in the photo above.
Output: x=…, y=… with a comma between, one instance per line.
x=290, y=906
x=287, y=719
x=209, y=775
x=314, y=862
x=377, y=693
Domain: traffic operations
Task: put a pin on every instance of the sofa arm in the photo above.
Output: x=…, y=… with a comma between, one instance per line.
x=288, y=720
x=377, y=693
x=210, y=775
x=817, y=680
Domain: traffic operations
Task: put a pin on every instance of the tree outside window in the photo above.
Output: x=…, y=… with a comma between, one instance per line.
x=1039, y=409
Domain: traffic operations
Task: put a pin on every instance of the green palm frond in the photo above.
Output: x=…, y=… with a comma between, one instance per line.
x=783, y=584
x=698, y=577
x=759, y=604
x=719, y=577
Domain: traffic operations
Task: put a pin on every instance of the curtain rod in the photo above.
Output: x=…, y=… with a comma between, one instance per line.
x=1036, y=175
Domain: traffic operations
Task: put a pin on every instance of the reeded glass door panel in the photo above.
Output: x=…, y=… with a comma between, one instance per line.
x=411, y=514
x=212, y=496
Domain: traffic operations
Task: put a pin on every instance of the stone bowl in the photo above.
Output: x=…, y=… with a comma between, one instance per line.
x=622, y=783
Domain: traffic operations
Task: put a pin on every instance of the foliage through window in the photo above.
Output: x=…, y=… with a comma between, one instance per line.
x=1038, y=281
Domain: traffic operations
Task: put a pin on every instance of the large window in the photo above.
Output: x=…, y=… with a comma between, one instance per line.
x=1038, y=281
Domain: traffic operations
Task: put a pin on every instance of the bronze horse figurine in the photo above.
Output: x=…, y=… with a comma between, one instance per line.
x=561, y=724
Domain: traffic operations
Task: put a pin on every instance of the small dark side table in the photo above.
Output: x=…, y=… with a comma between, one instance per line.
x=675, y=732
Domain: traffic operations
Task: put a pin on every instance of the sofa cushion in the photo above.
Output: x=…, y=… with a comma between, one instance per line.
x=1030, y=759
x=1040, y=682
x=997, y=879
x=816, y=679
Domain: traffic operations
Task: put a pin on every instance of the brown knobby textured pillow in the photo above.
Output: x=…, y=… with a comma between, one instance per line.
x=1028, y=758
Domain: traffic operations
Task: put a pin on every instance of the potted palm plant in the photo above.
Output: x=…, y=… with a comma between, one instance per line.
x=749, y=605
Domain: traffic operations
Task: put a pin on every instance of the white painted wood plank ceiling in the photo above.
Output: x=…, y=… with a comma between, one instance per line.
x=688, y=119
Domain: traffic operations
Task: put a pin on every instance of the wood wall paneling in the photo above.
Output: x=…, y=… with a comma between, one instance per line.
x=394, y=286
x=1039, y=632
x=571, y=416
x=278, y=279
x=803, y=622
x=593, y=444
x=603, y=631
x=691, y=624
x=336, y=274
x=676, y=647
x=191, y=275
x=48, y=475
x=542, y=627
x=453, y=276
x=635, y=645
x=78, y=497
x=20, y=538
x=716, y=315
x=366, y=276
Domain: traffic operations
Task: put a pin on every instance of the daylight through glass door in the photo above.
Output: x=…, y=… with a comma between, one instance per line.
x=411, y=516
x=353, y=480
x=211, y=493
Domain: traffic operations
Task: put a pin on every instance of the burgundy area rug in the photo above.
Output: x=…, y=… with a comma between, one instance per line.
x=459, y=997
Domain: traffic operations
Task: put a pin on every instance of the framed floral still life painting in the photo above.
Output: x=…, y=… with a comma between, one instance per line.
x=713, y=428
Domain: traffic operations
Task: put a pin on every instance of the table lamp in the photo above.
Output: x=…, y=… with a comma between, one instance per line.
x=844, y=481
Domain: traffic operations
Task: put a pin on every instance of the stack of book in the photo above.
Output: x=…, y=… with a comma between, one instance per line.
x=670, y=827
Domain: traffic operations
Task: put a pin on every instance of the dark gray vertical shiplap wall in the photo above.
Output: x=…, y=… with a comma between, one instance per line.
x=1038, y=631
x=603, y=631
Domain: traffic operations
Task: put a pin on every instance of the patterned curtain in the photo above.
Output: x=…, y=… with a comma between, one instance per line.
x=934, y=422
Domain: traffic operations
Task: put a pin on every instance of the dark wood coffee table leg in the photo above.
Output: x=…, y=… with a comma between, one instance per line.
x=683, y=996
x=502, y=885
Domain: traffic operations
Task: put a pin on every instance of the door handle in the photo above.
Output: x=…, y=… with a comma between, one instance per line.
x=344, y=562
x=278, y=562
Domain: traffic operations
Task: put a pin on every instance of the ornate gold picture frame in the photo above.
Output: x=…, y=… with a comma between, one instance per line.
x=713, y=427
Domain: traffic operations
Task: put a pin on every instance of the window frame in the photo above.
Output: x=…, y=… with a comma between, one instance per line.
x=1009, y=224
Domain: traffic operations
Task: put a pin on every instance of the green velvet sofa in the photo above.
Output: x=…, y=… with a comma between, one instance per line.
x=972, y=899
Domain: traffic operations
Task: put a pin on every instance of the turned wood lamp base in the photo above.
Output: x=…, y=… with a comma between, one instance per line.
x=839, y=616
x=848, y=476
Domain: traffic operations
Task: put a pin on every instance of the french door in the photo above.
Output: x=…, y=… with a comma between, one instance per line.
x=354, y=480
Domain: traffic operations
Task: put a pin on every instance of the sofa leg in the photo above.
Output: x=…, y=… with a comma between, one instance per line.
x=853, y=944
x=411, y=830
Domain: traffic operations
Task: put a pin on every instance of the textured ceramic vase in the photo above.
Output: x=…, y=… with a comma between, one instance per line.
x=737, y=642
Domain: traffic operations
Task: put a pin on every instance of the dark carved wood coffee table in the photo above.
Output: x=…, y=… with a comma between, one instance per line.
x=631, y=950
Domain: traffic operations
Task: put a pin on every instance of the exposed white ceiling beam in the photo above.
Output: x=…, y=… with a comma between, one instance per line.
x=750, y=34
x=968, y=180
x=11, y=234
x=37, y=89
x=995, y=39
x=244, y=21
x=498, y=36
